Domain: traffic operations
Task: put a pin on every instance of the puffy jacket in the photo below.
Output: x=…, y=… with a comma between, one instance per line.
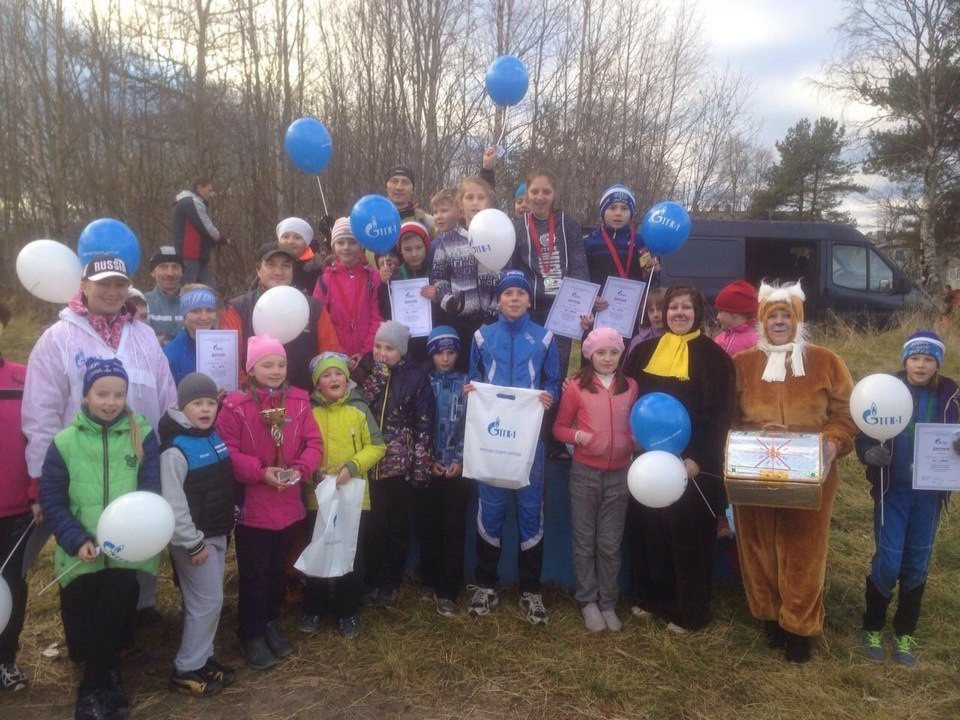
x=55, y=368
x=516, y=353
x=196, y=478
x=350, y=296
x=739, y=337
x=181, y=354
x=15, y=481
x=89, y=465
x=194, y=233
x=605, y=415
x=451, y=411
x=403, y=404
x=252, y=451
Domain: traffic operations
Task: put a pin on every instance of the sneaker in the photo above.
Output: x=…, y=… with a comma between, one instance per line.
x=871, y=643
x=114, y=697
x=349, y=626
x=308, y=623
x=532, y=605
x=446, y=607
x=641, y=614
x=592, y=618
x=903, y=646
x=278, y=644
x=677, y=629
x=224, y=673
x=257, y=654
x=196, y=683
x=428, y=594
x=12, y=678
x=386, y=599
x=611, y=619
x=90, y=706
x=483, y=601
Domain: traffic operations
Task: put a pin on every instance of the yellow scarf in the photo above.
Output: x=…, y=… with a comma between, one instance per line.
x=672, y=358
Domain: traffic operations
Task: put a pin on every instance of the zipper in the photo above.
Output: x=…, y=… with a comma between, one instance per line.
x=383, y=412
x=353, y=439
x=106, y=474
x=512, y=336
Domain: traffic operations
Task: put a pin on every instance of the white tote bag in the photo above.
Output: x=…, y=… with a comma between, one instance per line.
x=332, y=550
x=502, y=431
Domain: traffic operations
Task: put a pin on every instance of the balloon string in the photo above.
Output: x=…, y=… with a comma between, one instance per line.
x=697, y=486
x=25, y=533
x=322, y=197
x=57, y=578
x=503, y=128
x=646, y=296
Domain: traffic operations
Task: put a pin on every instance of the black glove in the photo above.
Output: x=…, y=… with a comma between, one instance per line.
x=455, y=307
x=956, y=445
x=877, y=456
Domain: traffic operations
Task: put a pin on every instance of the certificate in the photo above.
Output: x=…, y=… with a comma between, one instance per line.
x=409, y=307
x=623, y=297
x=936, y=465
x=573, y=299
x=217, y=356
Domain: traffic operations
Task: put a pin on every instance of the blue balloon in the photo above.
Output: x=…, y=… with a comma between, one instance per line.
x=665, y=227
x=507, y=80
x=660, y=422
x=375, y=223
x=308, y=144
x=107, y=235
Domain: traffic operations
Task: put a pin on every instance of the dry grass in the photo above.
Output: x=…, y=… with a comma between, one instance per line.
x=410, y=663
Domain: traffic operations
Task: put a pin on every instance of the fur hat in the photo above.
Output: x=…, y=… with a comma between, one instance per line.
x=788, y=297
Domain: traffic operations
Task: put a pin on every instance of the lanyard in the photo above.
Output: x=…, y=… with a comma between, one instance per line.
x=615, y=254
x=535, y=239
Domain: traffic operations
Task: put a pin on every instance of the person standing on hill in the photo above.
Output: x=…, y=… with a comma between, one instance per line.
x=194, y=234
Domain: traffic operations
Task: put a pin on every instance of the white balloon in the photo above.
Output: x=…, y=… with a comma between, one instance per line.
x=6, y=604
x=657, y=479
x=135, y=526
x=492, y=238
x=49, y=270
x=282, y=312
x=881, y=406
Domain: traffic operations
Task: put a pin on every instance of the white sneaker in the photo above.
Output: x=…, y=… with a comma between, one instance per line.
x=532, y=605
x=611, y=620
x=482, y=601
x=676, y=629
x=641, y=614
x=592, y=617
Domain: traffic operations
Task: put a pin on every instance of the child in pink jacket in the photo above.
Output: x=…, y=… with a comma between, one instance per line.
x=594, y=416
x=270, y=504
x=736, y=308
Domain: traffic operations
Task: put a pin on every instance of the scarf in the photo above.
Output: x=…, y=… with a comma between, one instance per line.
x=110, y=329
x=672, y=356
x=776, y=368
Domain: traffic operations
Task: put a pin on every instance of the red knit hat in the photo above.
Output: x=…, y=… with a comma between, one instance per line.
x=739, y=297
x=416, y=228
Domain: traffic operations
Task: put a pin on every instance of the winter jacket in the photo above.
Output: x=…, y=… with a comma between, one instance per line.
x=601, y=263
x=448, y=428
x=164, y=314
x=194, y=234
x=567, y=260
x=516, y=353
x=15, y=488
x=196, y=478
x=605, y=415
x=350, y=296
x=55, y=368
x=181, y=354
x=739, y=337
x=252, y=451
x=89, y=465
x=350, y=437
x=402, y=402
x=306, y=269
x=465, y=289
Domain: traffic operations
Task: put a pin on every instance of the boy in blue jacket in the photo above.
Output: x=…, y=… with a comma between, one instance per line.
x=514, y=352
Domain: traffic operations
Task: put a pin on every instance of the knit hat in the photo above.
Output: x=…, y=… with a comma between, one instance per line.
x=98, y=367
x=197, y=298
x=441, y=338
x=165, y=254
x=105, y=266
x=134, y=294
x=193, y=386
x=412, y=226
x=923, y=342
x=298, y=225
x=325, y=361
x=259, y=346
x=341, y=229
x=599, y=338
x=404, y=171
x=521, y=191
x=272, y=248
x=739, y=298
x=617, y=193
x=781, y=297
x=390, y=331
x=514, y=278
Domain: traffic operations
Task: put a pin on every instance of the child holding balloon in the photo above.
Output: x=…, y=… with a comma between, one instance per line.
x=594, y=417
x=613, y=249
x=107, y=451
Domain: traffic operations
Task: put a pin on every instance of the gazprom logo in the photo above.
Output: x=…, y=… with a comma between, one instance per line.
x=658, y=217
x=374, y=230
x=872, y=417
x=497, y=431
x=478, y=247
x=111, y=549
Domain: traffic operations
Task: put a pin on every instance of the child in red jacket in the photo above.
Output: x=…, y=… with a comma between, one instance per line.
x=594, y=416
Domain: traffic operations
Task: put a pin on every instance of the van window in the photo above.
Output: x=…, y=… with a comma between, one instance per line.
x=860, y=268
x=881, y=276
x=706, y=258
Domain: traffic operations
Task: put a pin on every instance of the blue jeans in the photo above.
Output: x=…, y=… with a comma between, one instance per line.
x=197, y=271
x=905, y=538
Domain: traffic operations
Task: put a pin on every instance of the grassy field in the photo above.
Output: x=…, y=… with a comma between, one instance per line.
x=410, y=663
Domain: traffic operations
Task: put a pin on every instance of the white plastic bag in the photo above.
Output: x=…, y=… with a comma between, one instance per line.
x=333, y=548
x=502, y=431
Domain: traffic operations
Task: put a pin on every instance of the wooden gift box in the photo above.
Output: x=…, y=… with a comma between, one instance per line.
x=774, y=469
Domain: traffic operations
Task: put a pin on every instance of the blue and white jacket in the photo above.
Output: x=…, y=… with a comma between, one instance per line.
x=448, y=427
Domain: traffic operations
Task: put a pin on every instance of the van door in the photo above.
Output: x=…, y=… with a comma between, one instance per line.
x=861, y=283
x=709, y=263
x=785, y=260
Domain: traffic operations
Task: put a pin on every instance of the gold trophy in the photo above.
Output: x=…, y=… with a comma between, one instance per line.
x=274, y=417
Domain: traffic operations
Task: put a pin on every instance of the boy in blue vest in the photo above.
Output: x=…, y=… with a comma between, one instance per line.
x=513, y=352
x=196, y=478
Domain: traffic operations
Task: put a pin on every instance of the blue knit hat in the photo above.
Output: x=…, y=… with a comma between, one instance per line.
x=521, y=190
x=923, y=342
x=197, y=299
x=441, y=338
x=514, y=279
x=102, y=367
x=617, y=193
